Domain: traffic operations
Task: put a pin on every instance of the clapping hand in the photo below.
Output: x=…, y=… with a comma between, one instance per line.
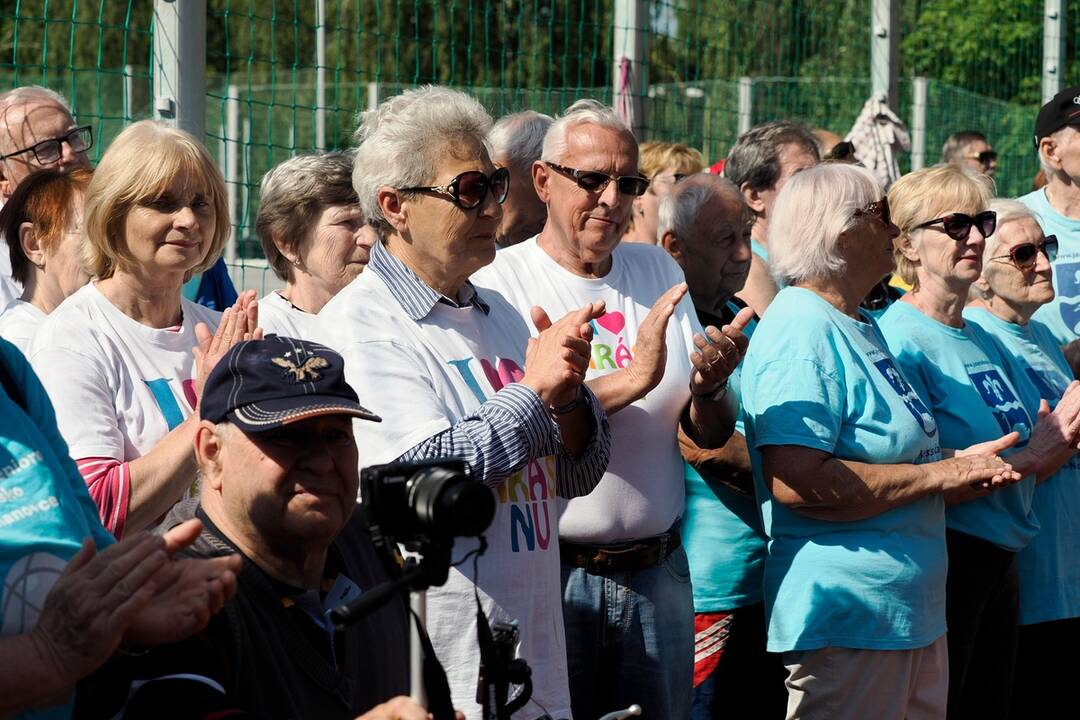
x=718, y=354
x=558, y=358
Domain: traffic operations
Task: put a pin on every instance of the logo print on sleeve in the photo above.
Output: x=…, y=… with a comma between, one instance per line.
x=608, y=355
x=908, y=395
x=999, y=397
x=1050, y=384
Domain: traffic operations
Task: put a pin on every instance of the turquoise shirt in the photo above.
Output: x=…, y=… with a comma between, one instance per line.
x=961, y=374
x=1062, y=314
x=763, y=252
x=45, y=509
x=817, y=378
x=1049, y=566
x=722, y=531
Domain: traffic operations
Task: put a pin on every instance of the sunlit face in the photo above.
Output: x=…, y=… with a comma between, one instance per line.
x=868, y=244
x=1024, y=290
x=647, y=206
x=335, y=249
x=971, y=154
x=64, y=262
x=716, y=259
x=793, y=158
x=297, y=482
x=523, y=213
x=174, y=231
x=23, y=126
x=940, y=259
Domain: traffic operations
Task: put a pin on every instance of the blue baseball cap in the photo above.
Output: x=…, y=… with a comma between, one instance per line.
x=264, y=384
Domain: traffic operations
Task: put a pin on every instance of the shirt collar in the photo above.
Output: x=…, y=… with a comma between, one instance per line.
x=413, y=294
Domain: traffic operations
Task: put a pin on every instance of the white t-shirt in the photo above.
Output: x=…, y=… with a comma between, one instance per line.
x=18, y=323
x=118, y=386
x=277, y=315
x=9, y=289
x=422, y=378
x=642, y=493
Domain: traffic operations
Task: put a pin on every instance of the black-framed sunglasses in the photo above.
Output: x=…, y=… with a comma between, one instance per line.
x=958, y=225
x=1026, y=255
x=879, y=209
x=469, y=189
x=595, y=182
x=985, y=157
x=50, y=151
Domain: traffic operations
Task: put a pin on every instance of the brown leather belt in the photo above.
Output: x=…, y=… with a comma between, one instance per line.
x=619, y=557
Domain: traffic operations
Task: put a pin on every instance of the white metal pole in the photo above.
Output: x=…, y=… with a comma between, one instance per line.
x=180, y=64
x=746, y=104
x=884, y=48
x=320, y=74
x=1053, y=49
x=418, y=603
x=372, y=95
x=918, y=123
x=631, y=42
x=233, y=148
x=129, y=91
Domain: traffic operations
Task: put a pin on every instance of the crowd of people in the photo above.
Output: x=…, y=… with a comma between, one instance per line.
x=764, y=439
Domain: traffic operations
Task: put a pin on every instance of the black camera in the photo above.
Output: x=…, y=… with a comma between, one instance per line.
x=422, y=501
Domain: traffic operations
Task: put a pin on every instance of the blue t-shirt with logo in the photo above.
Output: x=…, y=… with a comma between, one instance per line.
x=722, y=531
x=1062, y=314
x=1049, y=566
x=961, y=374
x=816, y=378
x=45, y=509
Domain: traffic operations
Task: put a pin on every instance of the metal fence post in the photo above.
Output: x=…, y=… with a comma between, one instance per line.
x=884, y=48
x=320, y=74
x=180, y=64
x=1053, y=48
x=233, y=147
x=746, y=104
x=631, y=43
x=918, y=123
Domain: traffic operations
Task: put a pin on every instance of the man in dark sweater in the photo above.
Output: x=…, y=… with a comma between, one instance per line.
x=279, y=482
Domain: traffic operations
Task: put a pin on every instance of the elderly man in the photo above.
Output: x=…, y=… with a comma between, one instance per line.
x=516, y=141
x=705, y=225
x=760, y=162
x=970, y=149
x=627, y=603
x=279, y=481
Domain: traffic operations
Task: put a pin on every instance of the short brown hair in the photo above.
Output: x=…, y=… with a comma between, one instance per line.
x=139, y=165
x=45, y=199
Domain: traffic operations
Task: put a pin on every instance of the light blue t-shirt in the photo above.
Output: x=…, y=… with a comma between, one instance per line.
x=45, y=509
x=817, y=378
x=763, y=252
x=961, y=375
x=1049, y=566
x=722, y=531
x=1062, y=314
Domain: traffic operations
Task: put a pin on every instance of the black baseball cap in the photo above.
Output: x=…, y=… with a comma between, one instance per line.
x=263, y=384
x=1063, y=110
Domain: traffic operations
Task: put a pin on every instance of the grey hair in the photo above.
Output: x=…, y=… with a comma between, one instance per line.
x=401, y=142
x=815, y=206
x=31, y=93
x=680, y=208
x=1007, y=210
x=955, y=144
x=291, y=196
x=518, y=139
x=755, y=157
x=583, y=112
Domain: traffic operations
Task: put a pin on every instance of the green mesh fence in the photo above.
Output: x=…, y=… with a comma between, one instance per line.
x=802, y=59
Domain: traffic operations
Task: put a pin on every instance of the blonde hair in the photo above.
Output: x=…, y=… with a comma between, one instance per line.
x=925, y=194
x=139, y=165
x=655, y=157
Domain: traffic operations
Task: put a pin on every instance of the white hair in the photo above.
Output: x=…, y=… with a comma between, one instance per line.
x=811, y=211
x=582, y=112
x=401, y=142
x=31, y=93
x=680, y=208
x=1007, y=210
x=518, y=139
x=1058, y=136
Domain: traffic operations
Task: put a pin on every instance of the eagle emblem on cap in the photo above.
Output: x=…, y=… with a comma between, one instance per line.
x=306, y=371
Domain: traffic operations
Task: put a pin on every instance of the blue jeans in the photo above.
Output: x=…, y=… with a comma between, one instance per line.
x=630, y=639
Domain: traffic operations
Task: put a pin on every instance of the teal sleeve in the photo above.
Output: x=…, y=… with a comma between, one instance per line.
x=797, y=402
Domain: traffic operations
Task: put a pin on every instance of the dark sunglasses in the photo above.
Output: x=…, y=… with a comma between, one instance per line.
x=841, y=151
x=1025, y=255
x=469, y=189
x=958, y=225
x=50, y=151
x=595, y=182
x=879, y=209
x=985, y=157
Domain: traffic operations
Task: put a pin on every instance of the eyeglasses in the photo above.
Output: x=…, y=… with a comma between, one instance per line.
x=985, y=157
x=879, y=209
x=1026, y=255
x=469, y=189
x=595, y=182
x=841, y=151
x=48, y=152
x=958, y=225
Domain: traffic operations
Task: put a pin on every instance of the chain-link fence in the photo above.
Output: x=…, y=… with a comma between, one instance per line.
x=287, y=76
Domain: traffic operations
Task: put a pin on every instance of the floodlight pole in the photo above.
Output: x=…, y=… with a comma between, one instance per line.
x=180, y=64
x=1053, y=67
x=884, y=48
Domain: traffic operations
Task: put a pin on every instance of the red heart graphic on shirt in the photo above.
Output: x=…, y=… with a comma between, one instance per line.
x=613, y=322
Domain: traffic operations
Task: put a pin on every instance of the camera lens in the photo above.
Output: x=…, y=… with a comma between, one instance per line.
x=448, y=503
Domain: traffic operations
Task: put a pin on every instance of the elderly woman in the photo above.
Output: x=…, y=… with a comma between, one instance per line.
x=962, y=374
x=116, y=356
x=848, y=467
x=444, y=363
x=314, y=237
x=43, y=218
x=1016, y=280
x=664, y=164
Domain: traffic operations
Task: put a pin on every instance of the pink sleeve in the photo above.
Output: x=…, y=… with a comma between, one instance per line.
x=110, y=488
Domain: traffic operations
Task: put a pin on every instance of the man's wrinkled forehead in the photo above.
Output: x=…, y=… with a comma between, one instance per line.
x=28, y=123
x=589, y=138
